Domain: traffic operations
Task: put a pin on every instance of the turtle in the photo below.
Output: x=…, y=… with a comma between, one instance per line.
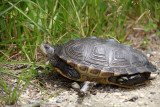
x=103, y=61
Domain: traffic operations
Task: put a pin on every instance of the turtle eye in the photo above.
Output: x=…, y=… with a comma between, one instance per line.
x=46, y=46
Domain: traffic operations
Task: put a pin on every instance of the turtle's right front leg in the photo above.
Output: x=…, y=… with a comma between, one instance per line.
x=86, y=86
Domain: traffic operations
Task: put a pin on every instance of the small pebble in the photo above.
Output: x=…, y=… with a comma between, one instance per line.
x=75, y=85
x=118, y=94
x=148, y=55
x=134, y=98
x=116, y=90
x=141, y=95
x=59, y=101
x=152, y=92
x=87, y=104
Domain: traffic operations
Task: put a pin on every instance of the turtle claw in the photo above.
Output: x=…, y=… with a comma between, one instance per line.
x=124, y=78
x=120, y=80
x=87, y=85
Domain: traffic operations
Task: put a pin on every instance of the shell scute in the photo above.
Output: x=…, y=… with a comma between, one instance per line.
x=95, y=71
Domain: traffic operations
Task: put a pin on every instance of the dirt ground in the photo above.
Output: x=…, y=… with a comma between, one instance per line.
x=102, y=95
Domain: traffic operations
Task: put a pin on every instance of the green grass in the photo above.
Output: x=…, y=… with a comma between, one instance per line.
x=25, y=24
x=12, y=94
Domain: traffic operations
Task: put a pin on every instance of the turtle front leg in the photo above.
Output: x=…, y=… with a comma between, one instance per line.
x=86, y=86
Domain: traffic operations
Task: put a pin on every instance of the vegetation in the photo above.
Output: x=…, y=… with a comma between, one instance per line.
x=25, y=24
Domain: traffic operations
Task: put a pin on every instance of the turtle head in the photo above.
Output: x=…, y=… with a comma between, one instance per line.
x=47, y=50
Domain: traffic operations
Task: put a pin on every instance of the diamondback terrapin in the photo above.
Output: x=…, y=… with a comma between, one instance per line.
x=103, y=61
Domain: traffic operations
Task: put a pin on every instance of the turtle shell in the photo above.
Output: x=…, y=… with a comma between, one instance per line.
x=98, y=59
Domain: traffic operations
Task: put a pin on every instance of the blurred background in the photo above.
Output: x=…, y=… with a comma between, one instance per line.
x=25, y=24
